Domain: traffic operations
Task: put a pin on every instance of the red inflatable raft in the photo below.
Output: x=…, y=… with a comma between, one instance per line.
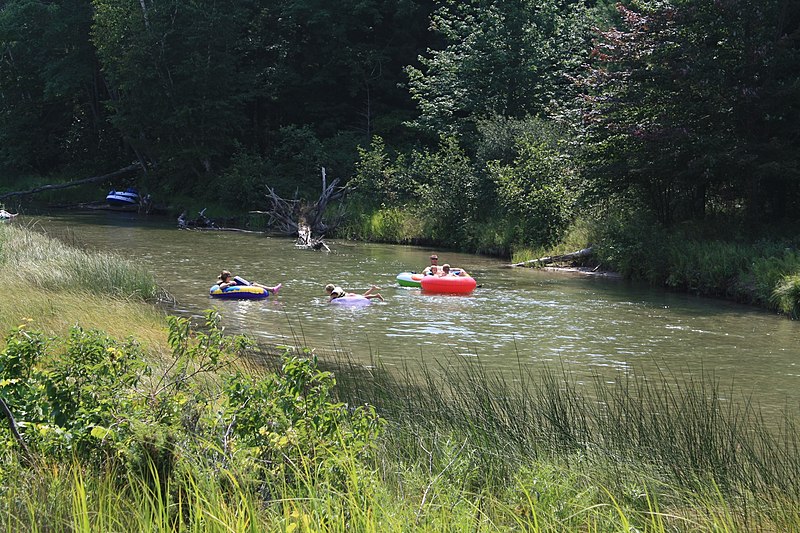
x=448, y=284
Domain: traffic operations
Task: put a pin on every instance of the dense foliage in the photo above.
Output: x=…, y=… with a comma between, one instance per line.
x=95, y=399
x=694, y=106
x=481, y=125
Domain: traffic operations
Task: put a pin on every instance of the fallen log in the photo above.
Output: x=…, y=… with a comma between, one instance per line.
x=130, y=169
x=580, y=254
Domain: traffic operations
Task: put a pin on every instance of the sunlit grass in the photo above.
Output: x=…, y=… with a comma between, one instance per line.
x=54, y=312
x=31, y=258
x=544, y=496
x=464, y=451
x=786, y=295
x=54, y=286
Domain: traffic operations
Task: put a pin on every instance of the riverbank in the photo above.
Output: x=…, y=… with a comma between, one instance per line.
x=458, y=451
x=53, y=286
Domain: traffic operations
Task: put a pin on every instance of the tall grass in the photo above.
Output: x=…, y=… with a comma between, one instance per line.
x=31, y=258
x=684, y=432
x=786, y=295
x=466, y=450
x=543, y=496
x=58, y=285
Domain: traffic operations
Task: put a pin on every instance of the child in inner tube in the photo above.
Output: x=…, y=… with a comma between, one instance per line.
x=334, y=292
x=448, y=271
x=226, y=280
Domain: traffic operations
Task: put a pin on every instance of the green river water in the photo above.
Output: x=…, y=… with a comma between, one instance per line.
x=517, y=317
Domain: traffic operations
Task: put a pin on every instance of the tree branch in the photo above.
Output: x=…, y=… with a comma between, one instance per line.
x=12, y=424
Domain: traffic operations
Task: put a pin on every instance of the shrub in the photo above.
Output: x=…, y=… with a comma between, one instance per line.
x=786, y=295
x=87, y=397
x=290, y=421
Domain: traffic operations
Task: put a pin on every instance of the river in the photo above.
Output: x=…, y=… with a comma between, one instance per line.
x=586, y=325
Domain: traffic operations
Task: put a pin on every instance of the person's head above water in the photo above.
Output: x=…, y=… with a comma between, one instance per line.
x=224, y=275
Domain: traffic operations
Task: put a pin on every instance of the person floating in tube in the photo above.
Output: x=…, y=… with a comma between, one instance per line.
x=433, y=267
x=226, y=280
x=447, y=271
x=334, y=291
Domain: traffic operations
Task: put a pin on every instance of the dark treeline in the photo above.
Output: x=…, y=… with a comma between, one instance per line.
x=483, y=125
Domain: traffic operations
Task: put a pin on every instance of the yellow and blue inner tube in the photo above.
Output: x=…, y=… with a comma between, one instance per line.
x=239, y=292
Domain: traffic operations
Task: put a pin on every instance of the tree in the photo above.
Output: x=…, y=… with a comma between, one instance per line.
x=537, y=190
x=51, y=90
x=499, y=59
x=693, y=105
x=179, y=78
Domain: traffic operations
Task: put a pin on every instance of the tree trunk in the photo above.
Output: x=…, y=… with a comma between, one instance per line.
x=580, y=254
x=130, y=169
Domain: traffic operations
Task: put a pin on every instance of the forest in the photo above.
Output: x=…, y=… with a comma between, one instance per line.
x=490, y=127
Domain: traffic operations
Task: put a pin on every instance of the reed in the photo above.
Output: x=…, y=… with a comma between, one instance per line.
x=687, y=431
x=30, y=258
x=786, y=295
x=545, y=496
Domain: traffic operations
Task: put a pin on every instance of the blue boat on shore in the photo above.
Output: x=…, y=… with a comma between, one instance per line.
x=119, y=198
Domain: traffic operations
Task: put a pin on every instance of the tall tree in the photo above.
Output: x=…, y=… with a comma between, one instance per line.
x=507, y=58
x=50, y=87
x=179, y=78
x=692, y=104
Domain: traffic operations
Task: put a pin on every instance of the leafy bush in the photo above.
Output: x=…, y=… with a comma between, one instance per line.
x=380, y=182
x=438, y=188
x=75, y=402
x=289, y=421
x=535, y=190
x=95, y=399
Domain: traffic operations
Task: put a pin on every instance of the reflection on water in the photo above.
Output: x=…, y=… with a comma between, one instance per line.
x=518, y=315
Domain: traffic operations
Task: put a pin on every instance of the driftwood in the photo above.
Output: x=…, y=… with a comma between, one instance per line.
x=287, y=216
x=130, y=169
x=580, y=254
x=201, y=222
x=306, y=241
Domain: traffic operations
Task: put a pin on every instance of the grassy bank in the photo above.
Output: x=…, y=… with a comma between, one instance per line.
x=719, y=258
x=712, y=259
x=57, y=285
x=456, y=451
